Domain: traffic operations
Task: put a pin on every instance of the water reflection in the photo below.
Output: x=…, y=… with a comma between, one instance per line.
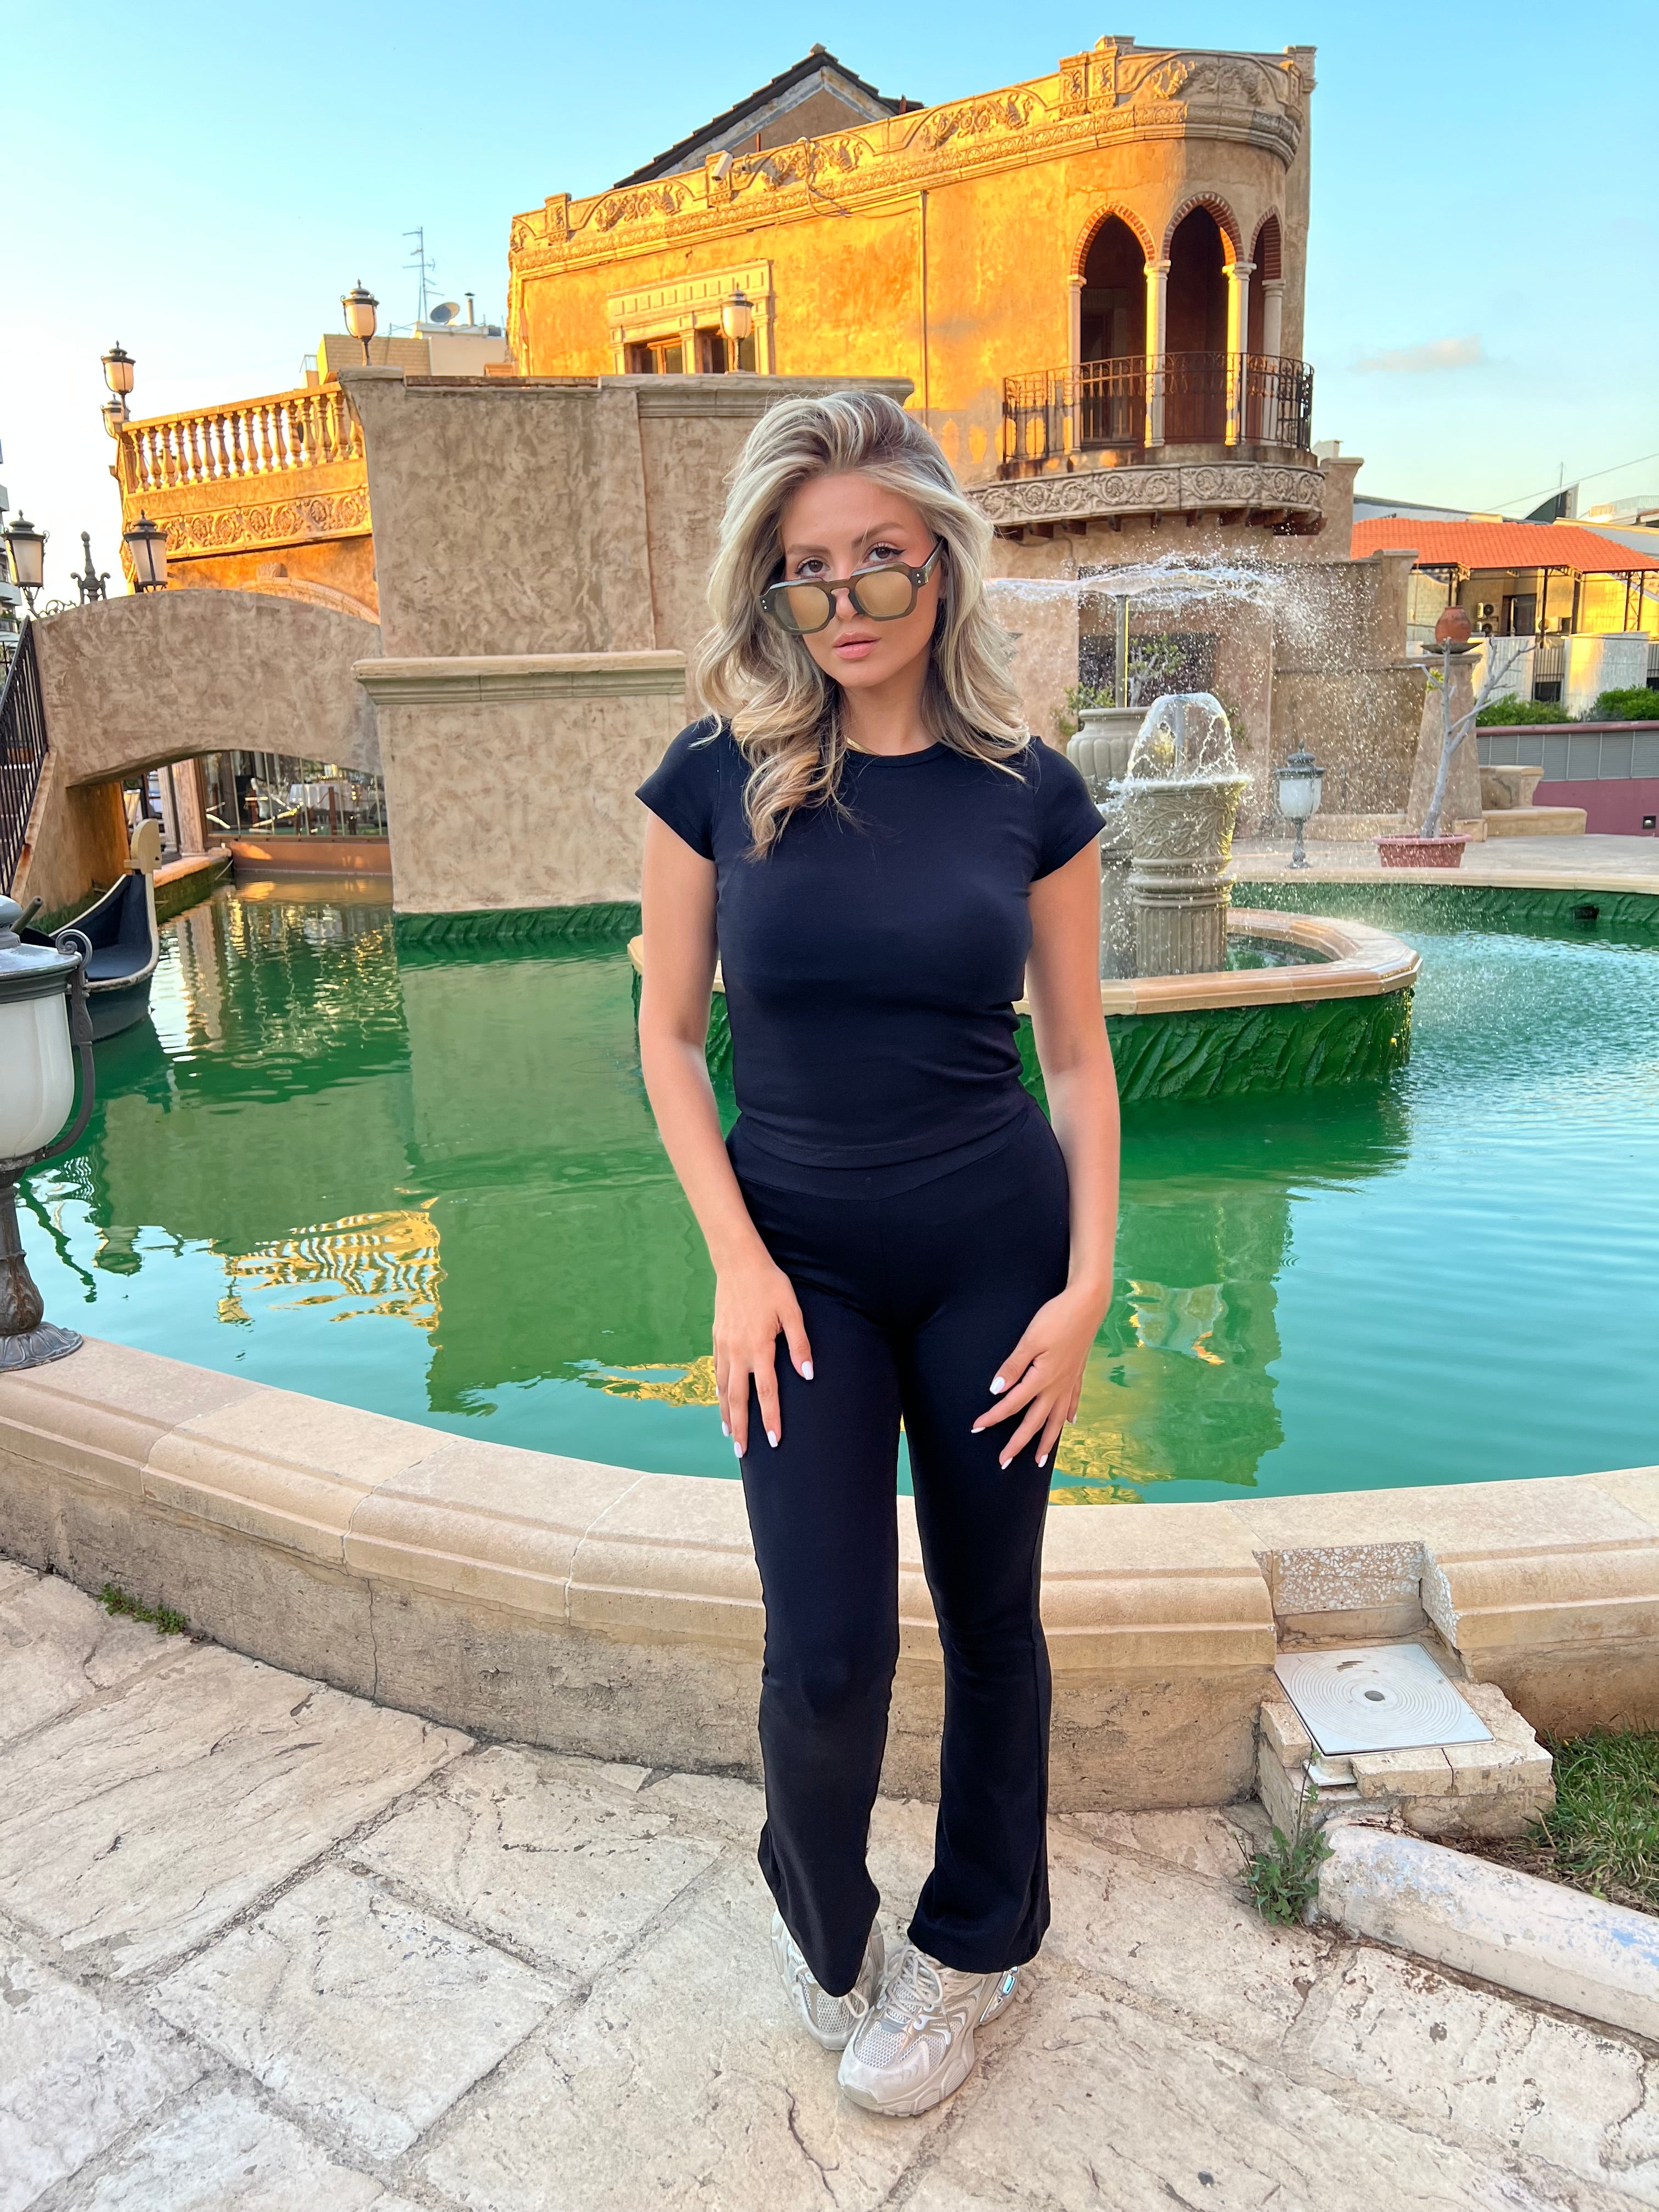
x=455, y=1156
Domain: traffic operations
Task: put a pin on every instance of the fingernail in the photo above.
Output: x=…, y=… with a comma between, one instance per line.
x=1002, y=1463
x=725, y=1428
x=1043, y=1459
x=997, y=1385
x=806, y=1368
x=736, y=1449
x=772, y=1439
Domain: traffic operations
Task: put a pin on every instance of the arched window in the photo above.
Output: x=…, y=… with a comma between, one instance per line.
x=1194, y=390
x=1268, y=256
x=1114, y=317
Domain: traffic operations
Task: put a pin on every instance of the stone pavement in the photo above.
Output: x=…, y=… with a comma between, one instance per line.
x=1631, y=860
x=265, y=1947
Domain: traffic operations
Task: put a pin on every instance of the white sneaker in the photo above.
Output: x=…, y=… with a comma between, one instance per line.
x=916, y=2047
x=829, y=2020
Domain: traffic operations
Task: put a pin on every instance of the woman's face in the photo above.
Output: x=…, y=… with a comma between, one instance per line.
x=837, y=524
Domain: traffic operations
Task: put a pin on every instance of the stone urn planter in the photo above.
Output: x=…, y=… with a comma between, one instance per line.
x=1507, y=786
x=1100, y=753
x=1421, y=852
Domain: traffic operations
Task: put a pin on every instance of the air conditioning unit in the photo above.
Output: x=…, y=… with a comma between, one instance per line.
x=1485, y=611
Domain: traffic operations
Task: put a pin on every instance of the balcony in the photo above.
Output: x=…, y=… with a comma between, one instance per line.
x=1137, y=404
x=284, y=470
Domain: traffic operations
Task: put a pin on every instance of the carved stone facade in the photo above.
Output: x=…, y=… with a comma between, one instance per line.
x=1285, y=498
x=950, y=245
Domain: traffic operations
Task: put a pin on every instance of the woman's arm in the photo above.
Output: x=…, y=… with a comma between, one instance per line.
x=1042, y=1379
x=754, y=1303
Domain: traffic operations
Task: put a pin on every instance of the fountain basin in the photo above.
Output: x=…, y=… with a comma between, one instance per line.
x=1343, y=1015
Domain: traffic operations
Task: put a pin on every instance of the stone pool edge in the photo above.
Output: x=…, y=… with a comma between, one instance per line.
x=597, y=1609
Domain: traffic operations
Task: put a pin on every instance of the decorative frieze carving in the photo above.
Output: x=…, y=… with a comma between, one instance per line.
x=267, y=522
x=1150, y=490
x=1115, y=90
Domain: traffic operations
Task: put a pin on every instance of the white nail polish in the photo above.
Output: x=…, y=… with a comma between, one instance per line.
x=998, y=1386
x=771, y=1438
x=725, y=1428
x=806, y=1368
x=736, y=1449
x=1043, y=1459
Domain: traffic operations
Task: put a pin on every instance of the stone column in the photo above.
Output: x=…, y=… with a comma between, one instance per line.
x=1273, y=316
x=1100, y=753
x=1157, y=293
x=1073, y=362
x=1238, y=336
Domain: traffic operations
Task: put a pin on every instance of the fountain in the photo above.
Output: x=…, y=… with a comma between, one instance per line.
x=1180, y=800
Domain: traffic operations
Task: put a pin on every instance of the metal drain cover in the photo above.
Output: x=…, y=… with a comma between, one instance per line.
x=1376, y=1697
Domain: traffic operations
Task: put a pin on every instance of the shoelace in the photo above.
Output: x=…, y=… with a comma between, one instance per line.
x=916, y=1988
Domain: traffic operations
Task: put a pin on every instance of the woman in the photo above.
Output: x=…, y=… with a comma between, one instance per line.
x=867, y=835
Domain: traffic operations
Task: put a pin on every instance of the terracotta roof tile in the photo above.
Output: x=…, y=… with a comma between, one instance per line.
x=1499, y=545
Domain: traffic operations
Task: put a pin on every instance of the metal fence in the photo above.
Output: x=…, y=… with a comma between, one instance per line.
x=1573, y=756
x=1105, y=404
x=22, y=753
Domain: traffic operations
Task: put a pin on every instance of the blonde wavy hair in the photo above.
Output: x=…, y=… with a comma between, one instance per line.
x=785, y=713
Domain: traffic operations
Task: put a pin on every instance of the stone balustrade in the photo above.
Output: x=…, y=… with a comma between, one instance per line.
x=282, y=470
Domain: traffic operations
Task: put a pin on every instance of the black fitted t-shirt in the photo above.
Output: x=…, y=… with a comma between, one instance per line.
x=871, y=959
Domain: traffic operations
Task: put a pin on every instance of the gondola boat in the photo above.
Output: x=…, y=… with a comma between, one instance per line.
x=120, y=927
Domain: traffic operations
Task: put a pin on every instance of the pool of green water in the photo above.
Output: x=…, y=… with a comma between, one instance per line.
x=431, y=1186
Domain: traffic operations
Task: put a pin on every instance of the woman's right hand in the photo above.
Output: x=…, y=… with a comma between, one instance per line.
x=754, y=1304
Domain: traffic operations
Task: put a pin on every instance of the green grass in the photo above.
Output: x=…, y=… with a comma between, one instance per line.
x=1603, y=1835
x=161, y=1618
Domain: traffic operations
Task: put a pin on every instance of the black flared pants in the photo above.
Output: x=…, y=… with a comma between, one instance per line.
x=911, y=1304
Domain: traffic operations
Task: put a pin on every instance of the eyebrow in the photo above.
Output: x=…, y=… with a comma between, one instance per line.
x=864, y=538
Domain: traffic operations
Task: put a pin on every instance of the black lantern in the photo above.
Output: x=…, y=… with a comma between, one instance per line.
x=45, y=1028
x=27, y=548
x=360, y=316
x=147, y=548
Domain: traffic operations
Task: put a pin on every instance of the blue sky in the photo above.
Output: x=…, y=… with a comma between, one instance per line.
x=204, y=183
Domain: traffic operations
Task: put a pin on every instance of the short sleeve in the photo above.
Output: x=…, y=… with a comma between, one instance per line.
x=1067, y=819
x=683, y=789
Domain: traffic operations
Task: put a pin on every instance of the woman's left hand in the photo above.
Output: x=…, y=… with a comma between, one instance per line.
x=1042, y=1379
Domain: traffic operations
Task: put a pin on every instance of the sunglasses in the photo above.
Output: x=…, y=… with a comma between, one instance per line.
x=885, y=592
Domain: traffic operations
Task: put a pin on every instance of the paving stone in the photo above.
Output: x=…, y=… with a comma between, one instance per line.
x=565, y=1859
x=221, y=2153
x=1089, y=2106
x=59, y=1647
x=349, y=2004
x=1204, y=1841
x=1475, y=2066
x=1188, y=1945
x=131, y=1830
x=73, y=2076
x=683, y=2080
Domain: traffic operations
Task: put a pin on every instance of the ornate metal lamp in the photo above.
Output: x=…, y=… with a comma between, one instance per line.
x=1299, y=782
x=89, y=582
x=118, y=370
x=737, y=318
x=45, y=1028
x=360, y=316
x=115, y=413
x=27, y=548
x=147, y=547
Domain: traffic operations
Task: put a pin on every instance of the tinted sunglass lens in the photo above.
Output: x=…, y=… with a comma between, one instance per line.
x=885, y=593
x=803, y=608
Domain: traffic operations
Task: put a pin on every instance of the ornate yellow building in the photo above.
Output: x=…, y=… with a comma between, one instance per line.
x=1096, y=274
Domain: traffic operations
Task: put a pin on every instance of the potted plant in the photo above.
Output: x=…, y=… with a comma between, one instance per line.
x=1433, y=847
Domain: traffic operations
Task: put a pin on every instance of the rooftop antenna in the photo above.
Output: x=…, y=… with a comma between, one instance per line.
x=426, y=267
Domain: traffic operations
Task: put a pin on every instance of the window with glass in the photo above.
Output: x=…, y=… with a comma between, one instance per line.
x=284, y=795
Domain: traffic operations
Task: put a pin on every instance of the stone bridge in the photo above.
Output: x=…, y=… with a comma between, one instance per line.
x=130, y=684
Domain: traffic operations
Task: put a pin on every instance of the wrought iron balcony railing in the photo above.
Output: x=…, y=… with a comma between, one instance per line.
x=1141, y=400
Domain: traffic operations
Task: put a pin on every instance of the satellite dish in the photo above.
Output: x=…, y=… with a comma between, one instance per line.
x=446, y=312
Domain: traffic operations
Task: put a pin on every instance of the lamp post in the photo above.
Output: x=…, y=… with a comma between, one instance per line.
x=90, y=584
x=737, y=319
x=116, y=415
x=360, y=316
x=118, y=370
x=27, y=548
x=147, y=547
x=44, y=1029
x=1299, y=782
